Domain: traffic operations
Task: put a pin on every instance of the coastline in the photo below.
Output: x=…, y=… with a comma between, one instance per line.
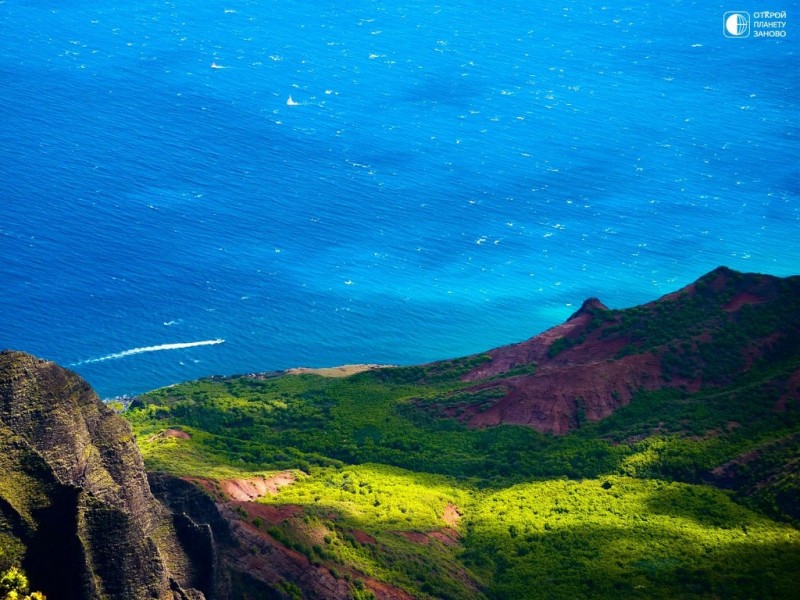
x=340, y=371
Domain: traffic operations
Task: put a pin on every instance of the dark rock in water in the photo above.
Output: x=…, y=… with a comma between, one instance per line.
x=75, y=504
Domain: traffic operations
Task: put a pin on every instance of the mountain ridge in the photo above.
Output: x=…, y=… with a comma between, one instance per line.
x=585, y=366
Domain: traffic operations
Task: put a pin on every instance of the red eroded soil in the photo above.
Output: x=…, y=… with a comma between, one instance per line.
x=740, y=300
x=208, y=485
x=415, y=536
x=362, y=537
x=171, y=433
x=177, y=433
x=271, y=514
x=586, y=381
x=530, y=351
x=384, y=591
x=250, y=488
x=446, y=535
x=451, y=515
x=267, y=554
x=555, y=399
x=266, y=559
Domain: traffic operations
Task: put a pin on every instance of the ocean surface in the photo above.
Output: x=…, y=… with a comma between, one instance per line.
x=205, y=187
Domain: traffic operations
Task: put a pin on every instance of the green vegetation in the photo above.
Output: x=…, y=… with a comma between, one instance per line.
x=627, y=537
x=244, y=425
x=14, y=586
x=678, y=494
x=374, y=519
x=594, y=513
x=562, y=344
x=713, y=339
x=298, y=421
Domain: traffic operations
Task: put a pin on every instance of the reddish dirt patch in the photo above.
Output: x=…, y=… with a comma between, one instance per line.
x=177, y=433
x=362, y=537
x=250, y=488
x=586, y=381
x=548, y=400
x=209, y=485
x=267, y=559
x=415, y=536
x=672, y=296
x=269, y=513
x=447, y=536
x=451, y=515
x=534, y=350
x=384, y=591
x=739, y=300
x=173, y=433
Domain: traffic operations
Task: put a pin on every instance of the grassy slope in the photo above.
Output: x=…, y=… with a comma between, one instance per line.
x=620, y=506
x=534, y=506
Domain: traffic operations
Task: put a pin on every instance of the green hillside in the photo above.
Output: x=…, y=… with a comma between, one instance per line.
x=684, y=492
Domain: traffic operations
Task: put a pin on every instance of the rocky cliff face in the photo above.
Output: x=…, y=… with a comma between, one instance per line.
x=237, y=558
x=79, y=512
x=75, y=505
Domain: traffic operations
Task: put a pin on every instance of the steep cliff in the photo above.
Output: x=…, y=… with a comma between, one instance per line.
x=75, y=505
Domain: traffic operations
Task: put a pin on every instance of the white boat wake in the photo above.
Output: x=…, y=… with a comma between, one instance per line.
x=143, y=349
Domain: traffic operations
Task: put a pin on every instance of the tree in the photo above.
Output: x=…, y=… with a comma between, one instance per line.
x=14, y=586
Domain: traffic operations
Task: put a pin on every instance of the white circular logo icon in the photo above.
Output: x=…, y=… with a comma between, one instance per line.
x=736, y=24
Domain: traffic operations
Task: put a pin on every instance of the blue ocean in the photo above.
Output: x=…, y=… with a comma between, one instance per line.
x=204, y=187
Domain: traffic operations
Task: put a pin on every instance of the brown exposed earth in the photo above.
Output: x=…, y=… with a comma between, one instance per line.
x=594, y=373
x=740, y=300
x=451, y=515
x=177, y=433
x=362, y=537
x=271, y=560
x=270, y=513
x=445, y=535
x=340, y=371
x=582, y=382
x=251, y=488
x=417, y=537
x=173, y=433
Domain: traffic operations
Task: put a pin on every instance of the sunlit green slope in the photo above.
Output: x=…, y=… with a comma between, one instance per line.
x=678, y=494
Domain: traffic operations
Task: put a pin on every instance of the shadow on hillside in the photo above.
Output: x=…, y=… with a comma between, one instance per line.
x=644, y=561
